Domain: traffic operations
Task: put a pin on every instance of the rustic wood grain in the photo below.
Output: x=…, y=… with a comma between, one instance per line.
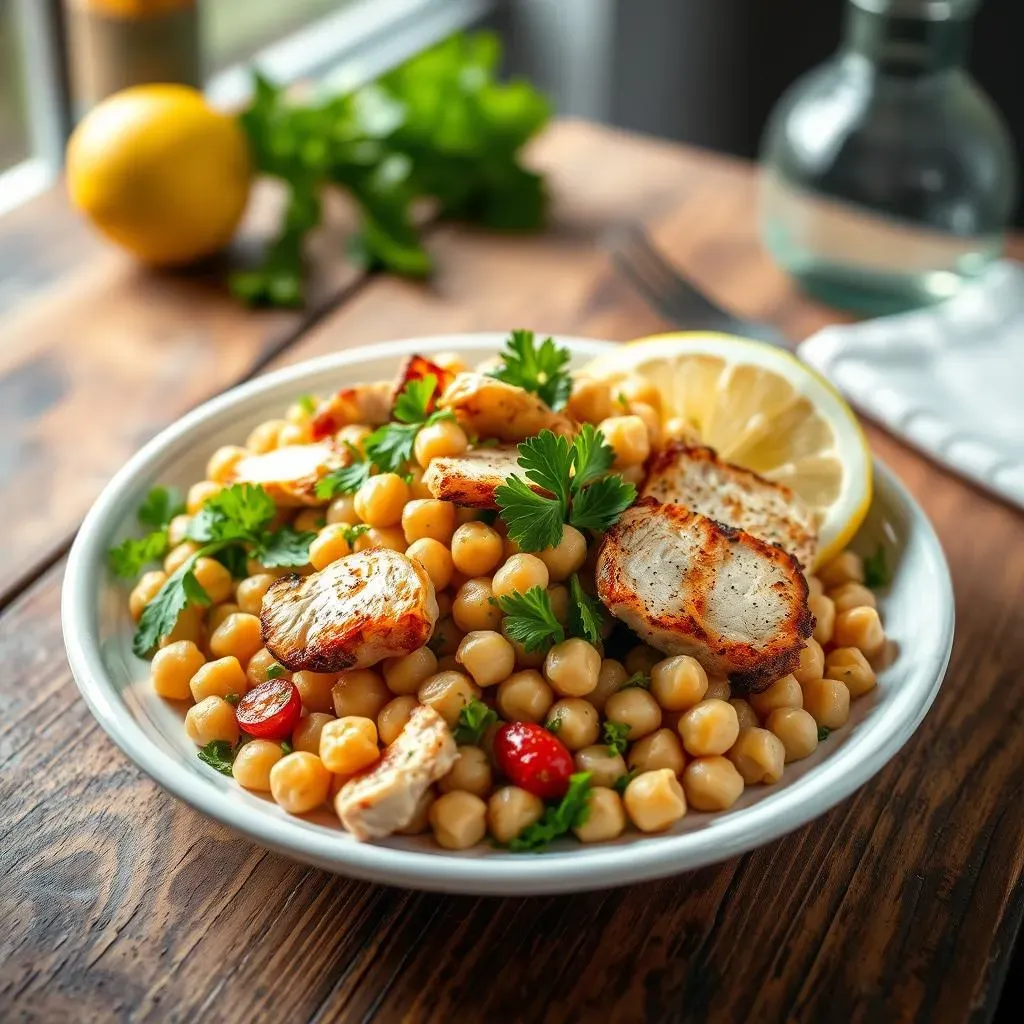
x=901, y=904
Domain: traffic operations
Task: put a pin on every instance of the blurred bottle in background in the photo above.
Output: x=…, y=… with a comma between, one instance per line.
x=113, y=44
x=888, y=175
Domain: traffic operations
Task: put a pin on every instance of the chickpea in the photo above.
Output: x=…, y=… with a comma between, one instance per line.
x=329, y=545
x=558, y=598
x=221, y=678
x=796, y=729
x=448, y=693
x=299, y=782
x=654, y=800
x=173, y=668
x=218, y=613
x=253, y=763
x=471, y=773
x=605, y=766
x=487, y=656
x=812, y=661
x=450, y=361
x=447, y=637
x=428, y=517
x=342, y=510
x=849, y=665
x=628, y=438
x=860, y=628
x=636, y=708
x=783, y=693
x=659, y=749
x=381, y=537
x=315, y=690
x=472, y=608
x=575, y=721
x=458, y=819
x=468, y=515
x=815, y=587
x=405, y=674
x=828, y=702
x=349, y=744
x=476, y=549
x=177, y=557
x=393, y=717
x=605, y=818
x=612, y=677
x=567, y=556
x=758, y=755
x=239, y=635
x=712, y=783
x=638, y=389
x=199, y=494
x=221, y=467
x=642, y=659
x=250, y=591
x=212, y=718
x=852, y=595
x=520, y=574
x=444, y=605
x=590, y=401
x=651, y=419
x=510, y=810
x=144, y=591
x=824, y=612
x=354, y=434
x=678, y=683
x=844, y=568
x=214, y=578
x=439, y=440
x=572, y=667
x=381, y=499
x=259, y=666
x=188, y=627
x=420, y=820
x=359, y=692
x=745, y=713
x=718, y=689
x=633, y=474
x=524, y=697
x=266, y=437
x=711, y=727
x=293, y=433
x=509, y=547
x=306, y=735
x=177, y=530
x=524, y=658
x=435, y=558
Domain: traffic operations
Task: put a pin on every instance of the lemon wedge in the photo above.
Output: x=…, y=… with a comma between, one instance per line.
x=760, y=408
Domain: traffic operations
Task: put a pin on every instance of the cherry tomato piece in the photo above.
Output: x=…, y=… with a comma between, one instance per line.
x=534, y=759
x=271, y=710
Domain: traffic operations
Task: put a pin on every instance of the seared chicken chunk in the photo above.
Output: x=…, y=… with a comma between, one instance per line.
x=357, y=611
x=491, y=408
x=689, y=585
x=290, y=474
x=696, y=478
x=415, y=368
x=384, y=798
x=472, y=478
x=369, y=404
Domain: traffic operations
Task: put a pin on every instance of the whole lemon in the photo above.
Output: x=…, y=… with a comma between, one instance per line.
x=161, y=173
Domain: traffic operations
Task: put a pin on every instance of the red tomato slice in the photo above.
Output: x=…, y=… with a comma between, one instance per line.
x=271, y=710
x=534, y=759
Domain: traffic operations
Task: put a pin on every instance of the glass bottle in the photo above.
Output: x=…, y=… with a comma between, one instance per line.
x=888, y=175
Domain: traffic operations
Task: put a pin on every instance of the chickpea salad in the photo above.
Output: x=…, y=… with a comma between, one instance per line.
x=497, y=605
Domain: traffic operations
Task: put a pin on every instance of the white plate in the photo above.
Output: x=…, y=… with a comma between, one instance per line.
x=917, y=609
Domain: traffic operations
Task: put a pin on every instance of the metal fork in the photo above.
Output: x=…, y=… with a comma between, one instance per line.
x=637, y=259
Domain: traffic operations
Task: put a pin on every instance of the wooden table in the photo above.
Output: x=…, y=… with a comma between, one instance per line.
x=120, y=903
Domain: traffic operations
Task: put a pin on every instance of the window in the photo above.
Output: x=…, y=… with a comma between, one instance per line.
x=14, y=129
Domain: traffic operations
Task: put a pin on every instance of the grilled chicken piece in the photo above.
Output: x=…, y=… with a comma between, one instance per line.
x=689, y=585
x=385, y=798
x=472, y=478
x=290, y=474
x=698, y=479
x=416, y=368
x=369, y=404
x=489, y=407
x=357, y=611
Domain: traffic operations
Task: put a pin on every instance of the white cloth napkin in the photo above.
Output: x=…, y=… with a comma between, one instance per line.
x=948, y=379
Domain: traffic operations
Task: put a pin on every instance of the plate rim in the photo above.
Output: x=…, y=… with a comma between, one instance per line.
x=594, y=867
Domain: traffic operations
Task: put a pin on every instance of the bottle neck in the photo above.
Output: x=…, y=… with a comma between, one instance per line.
x=908, y=38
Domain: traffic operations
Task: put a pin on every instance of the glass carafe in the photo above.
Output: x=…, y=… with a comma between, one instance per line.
x=888, y=175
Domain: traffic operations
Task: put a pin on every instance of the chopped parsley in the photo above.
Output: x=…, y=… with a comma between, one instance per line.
x=541, y=369
x=616, y=735
x=308, y=404
x=580, y=492
x=570, y=812
x=586, y=617
x=160, y=506
x=620, y=784
x=554, y=725
x=219, y=755
x=638, y=680
x=275, y=671
x=823, y=733
x=530, y=619
x=390, y=447
x=232, y=699
x=876, y=569
x=286, y=747
x=346, y=480
x=475, y=719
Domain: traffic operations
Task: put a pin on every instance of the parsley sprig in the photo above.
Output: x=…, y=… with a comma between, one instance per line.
x=161, y=505
x=542, y=369
x=876, y=569
x=530, y=620
x=475, y=719
x=571, y=811
x=573, y=474
x=219, y=755
x=586, y=615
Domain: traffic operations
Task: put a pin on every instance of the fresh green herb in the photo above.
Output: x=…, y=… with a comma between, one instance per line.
x=128, y=558
x=571, y=812
x=639, y=680
x=616, y=735
x=530, y=619
x=286, y=747
x=620, y=784
x=275, y=672
x=554, y=726
x=353, y=533
x=876, y=569
x=441, y=126
x=572, y=473
x=160, y=616
x=543, y=369
x=474, y=720
x=308, y=404
x=622, y=400
x=162, y=504
x=346, y=480
x=219, y=755
x=436, y=643
x=235, y=560
x=823, y=733
x=585, y=616
x=232, y=699
x=285, y=548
